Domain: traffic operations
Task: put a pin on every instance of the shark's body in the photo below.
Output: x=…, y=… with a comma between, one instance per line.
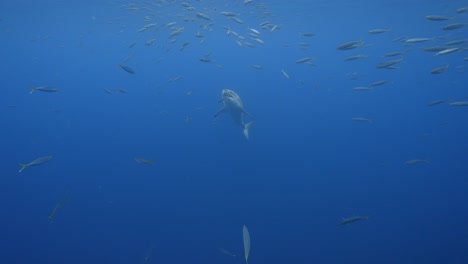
x=233, y=105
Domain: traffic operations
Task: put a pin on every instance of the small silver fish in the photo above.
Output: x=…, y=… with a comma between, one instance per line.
x=453, y=26
x=379, y=31
x=353, y=219
x=465, y=103
x=388, y=64
x=362, y=119
x=126, y=68
x=350, y=45
x=395, y=53
x=438, y=18
x=228, y=13
x=436, y=102
x=462, y=9
x=439, y=70
x=237, y=20
x=446, y=51
x=48, y=89
x=435, y=48
x=377, y=83
x=355, y=57
x=107, y=90
x=417, y=40
x=363, y=88
x=201, y=15
x=35, y=162
x=415, y=161
x=285, y=74
x=305, y=59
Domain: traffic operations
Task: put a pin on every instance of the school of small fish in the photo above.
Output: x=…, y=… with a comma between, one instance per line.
x=177, y=26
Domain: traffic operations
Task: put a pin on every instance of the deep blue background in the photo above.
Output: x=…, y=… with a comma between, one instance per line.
x=306, y=166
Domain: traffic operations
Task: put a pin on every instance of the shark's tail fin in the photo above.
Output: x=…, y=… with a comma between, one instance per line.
x=32, y=89
x=246, y=129
x=23, y=166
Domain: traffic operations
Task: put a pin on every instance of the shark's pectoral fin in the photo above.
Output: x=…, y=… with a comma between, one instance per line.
x=220, y=111
x=246, y=129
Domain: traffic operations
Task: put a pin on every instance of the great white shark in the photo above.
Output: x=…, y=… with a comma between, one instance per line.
x=232, y=104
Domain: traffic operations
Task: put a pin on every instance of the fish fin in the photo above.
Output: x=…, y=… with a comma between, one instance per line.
x=247, y=113
x=220, y=111
x=32, y=89
x=23, y=166
x=246, y=129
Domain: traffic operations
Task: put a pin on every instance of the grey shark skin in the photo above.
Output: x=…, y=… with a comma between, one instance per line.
x=233, y=105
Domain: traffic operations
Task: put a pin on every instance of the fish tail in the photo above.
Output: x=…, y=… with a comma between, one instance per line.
x=246, y=129
x=23, y=166
x=32, y=89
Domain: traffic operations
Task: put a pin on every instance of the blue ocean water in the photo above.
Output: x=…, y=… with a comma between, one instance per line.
x=306, y=167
